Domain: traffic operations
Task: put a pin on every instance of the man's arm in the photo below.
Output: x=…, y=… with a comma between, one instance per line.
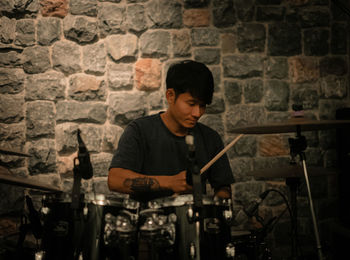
x=130, y=182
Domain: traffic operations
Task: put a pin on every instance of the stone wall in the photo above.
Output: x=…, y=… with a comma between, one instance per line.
x=98, y=64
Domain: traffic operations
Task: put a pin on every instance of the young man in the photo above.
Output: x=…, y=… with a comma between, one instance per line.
x=151, y=158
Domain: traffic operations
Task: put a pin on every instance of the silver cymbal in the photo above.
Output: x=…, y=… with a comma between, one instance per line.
x=8, y=178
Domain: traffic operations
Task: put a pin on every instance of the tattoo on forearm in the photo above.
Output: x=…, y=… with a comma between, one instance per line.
x=142, y=184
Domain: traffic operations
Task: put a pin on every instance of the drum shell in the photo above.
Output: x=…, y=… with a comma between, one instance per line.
x=213, y=236
x=69, y=233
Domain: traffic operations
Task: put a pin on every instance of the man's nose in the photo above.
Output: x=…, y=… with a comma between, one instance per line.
x=197, y=111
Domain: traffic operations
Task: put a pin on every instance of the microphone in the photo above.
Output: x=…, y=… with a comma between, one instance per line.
x=85, y=166
x=247, y=212
x=34, y=219
x=191, y=158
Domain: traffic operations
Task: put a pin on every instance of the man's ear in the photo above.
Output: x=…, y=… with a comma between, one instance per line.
x=170, y=95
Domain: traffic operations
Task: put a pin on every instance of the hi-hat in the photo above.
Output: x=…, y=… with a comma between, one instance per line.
x=11, y=152
x=292, y=125
x=292, y=171
x=8, y=178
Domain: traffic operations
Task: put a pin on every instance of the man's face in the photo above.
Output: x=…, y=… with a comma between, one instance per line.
x=185, y=109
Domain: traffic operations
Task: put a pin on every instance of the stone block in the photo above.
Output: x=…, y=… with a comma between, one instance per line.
x=164, y=14
x=48, y=30
x=253, y=91
x=242, y=66
x=228, y=43
x=12, y=137
x=251, y=38
x=336, y=66
x=136, y=18
x=100, y=164
x=125, y=107
x=273, y=145
x=92, y=137
x=233, y=92
x=328, y=108
x=316, y=42
x=36, y=59
x=216, y=71
x=270, y=13
x=7, y=29
x=66, y=57
x=66, y=139
x=84, y=87
x=181, y=43
x=215, y=122
x=83, y=7
x=217, y=106
x=314, y=17
x=241, y=115
x=84, y=112
x=303, y=69
x=155, y=43
x=240, y=167
x=245, y=10
x=148, y=74
x=10, y=57
x=122, y=47
x=111, y=19
x=224, y=13
x=156, y=100
x=46, y=86
x=120, y=76
x=11, y=108
x=334, y=87
x=196, y=17
x=11, y=81
x=208, y=56
x=339, y=43
x=245, y=147
x=110, y=138
x=277, y=95
x=82, y=30
x=248, y=191
x=40, y=119
x=43, y=158
x=284, y=39
x=55, y=8
x=94, y=58
x=306, y=95
x=204, y=37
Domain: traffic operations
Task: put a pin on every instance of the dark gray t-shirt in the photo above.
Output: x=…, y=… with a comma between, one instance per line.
x=148, y=147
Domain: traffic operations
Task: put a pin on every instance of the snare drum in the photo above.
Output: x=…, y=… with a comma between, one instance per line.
x=92, y=231
x=169, y=226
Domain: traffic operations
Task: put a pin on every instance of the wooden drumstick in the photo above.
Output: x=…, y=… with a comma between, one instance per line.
x=210, y=163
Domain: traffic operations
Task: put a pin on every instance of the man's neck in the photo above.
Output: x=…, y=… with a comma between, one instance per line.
x=172, y=125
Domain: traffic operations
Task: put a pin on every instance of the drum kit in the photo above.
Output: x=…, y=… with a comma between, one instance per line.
x=191, y=226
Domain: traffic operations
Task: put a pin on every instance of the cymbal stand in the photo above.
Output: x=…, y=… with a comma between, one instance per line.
x=297, y=147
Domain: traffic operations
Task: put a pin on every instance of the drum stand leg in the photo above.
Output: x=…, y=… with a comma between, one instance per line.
x=297, y=147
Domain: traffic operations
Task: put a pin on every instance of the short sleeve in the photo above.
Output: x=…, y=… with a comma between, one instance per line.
x=128, y=154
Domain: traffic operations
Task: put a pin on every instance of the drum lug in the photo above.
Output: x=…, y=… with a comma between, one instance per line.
x=190, y=214
x=192, y=250
x=230, y=250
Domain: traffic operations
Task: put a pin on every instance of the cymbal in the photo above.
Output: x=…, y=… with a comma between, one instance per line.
x=292, y=125
x=292, y=171
x=9, y=152
x=7, y=178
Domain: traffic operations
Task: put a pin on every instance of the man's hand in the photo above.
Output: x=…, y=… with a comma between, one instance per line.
x=177, y=183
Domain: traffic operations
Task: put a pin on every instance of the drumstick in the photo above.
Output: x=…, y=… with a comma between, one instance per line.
x=210, y=163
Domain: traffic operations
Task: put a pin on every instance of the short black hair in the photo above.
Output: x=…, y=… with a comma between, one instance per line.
x=192, y=77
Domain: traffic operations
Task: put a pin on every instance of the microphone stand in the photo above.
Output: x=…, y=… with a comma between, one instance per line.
x=193, y=177
x=297, y=147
